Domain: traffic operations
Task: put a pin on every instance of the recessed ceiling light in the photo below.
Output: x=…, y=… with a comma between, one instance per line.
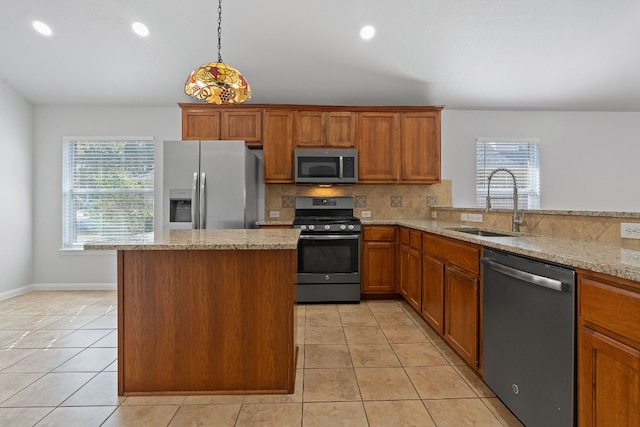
x=42, y=28
x=140, y=29
x=367, y=32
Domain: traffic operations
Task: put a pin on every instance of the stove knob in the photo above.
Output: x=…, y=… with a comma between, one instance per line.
x=343, y=227
x=312, y=227
x=303, y=227
x=327, y=227
x=350, y=227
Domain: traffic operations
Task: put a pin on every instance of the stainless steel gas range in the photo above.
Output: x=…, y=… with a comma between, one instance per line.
x=328, y=250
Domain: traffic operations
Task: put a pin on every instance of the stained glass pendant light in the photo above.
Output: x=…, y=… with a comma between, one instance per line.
x=218, y=82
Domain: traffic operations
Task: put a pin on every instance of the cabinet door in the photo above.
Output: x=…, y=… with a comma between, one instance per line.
x=414, y=292
x=378, y=260
x=461, y=305
x=608, y=381
x=200, y=123
x=403, y=270
x=433, y=292
x=377, y=147
x=278, y=146
x=310, y=128
x=245, y=125
x=420, y=147
x=340, y=129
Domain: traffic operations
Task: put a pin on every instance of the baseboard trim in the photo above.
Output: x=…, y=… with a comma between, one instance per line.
x=74, y=287
x=15, y=292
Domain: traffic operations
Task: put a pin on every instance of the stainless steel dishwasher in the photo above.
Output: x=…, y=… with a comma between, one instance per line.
x=528, y=312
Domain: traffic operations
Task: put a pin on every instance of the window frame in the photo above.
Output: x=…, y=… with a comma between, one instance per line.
x=528, y=179
x=70, y=189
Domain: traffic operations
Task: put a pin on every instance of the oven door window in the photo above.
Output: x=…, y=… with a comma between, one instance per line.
x=328, y=255
x=315, y=167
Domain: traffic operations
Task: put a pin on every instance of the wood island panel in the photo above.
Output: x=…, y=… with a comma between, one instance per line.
x=206, y=321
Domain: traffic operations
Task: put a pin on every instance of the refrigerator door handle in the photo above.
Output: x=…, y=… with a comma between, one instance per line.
x=194, y=201
x=203, y=201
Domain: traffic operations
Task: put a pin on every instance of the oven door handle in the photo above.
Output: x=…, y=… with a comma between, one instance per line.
x=330, y=237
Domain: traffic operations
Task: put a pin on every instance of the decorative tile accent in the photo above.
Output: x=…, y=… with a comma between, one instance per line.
x=396, y=201
x=432, y=201
x=287, y=201
x=360, y=201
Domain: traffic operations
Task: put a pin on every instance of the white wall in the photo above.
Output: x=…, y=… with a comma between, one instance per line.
x=51, y=265
x=16, y=214
x=588, y=160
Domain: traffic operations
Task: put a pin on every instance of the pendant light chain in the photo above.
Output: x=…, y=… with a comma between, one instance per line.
x=219, y=29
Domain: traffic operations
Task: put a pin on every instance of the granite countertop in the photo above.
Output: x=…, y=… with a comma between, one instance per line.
x=605, y=258
x=252, y=239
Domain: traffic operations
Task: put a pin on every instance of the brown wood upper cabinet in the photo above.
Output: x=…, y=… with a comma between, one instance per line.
x=245, y=125
x=399, y=147
x=278, y=146
x=420, y=147
x=331, y=129
x=377, y=153
x=395, y=144
x=212, y=122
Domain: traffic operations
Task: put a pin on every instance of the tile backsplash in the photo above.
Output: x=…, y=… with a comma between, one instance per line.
x=384, y=201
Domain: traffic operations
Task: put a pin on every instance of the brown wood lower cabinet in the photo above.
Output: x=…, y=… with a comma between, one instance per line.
x=410, y=270
x=608, y=351
x=378, y=260
x=433, y=292
x=461, y=305
x=206, y=321
x=451, y=293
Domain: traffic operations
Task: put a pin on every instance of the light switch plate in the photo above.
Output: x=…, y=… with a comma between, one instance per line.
x=366, y=214
x=274, y=214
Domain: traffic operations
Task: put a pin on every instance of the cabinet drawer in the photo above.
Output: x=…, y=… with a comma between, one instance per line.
x=410, y=237
x=415, y=239
x=404, y=236
x=379, y=233
x=613, y=308
x=454, y=252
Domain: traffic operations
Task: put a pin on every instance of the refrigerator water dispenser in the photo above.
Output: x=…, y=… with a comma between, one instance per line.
x=179, y=205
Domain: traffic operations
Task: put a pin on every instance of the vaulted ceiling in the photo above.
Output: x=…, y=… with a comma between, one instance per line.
x=493, y=54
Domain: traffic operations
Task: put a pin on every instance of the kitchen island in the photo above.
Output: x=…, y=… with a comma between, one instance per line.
x=206, y=312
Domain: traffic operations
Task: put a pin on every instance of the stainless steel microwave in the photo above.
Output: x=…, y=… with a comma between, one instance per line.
x=326, y=166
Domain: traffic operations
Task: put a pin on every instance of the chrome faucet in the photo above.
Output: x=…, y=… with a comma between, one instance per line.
x=515, y=226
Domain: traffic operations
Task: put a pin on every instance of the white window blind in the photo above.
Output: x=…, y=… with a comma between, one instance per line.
x=107, y=189
x=522, y=157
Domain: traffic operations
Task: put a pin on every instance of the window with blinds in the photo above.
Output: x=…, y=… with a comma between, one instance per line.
x=522, y=157
x=107, y=189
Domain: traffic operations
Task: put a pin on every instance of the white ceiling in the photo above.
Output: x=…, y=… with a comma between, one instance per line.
x=497, y=54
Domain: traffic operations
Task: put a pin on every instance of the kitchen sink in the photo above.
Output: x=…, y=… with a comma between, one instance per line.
x=480, y=232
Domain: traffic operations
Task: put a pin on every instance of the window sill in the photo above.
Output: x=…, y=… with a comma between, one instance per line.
x=82, y=252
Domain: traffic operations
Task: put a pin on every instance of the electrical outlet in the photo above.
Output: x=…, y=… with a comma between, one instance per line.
x=475, y=217
x=274, y=214
x=630, y=230
x=434, y=215
x=464, y=217
x=366, y=214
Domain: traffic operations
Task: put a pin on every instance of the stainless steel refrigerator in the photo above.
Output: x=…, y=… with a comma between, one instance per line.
x=209, y=184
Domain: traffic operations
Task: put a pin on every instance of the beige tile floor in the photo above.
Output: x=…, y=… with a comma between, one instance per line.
x=370, y=364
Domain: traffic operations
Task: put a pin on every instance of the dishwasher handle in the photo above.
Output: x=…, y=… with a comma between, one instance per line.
x=546, y=282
